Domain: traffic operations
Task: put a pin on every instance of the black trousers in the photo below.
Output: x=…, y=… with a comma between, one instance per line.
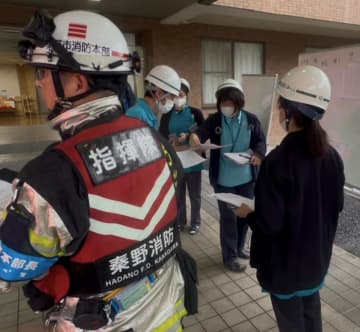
x=299, y=314
x=191, y=181
x=233, y=229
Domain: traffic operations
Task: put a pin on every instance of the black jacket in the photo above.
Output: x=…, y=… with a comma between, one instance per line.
x=7, y=175
x=297, y=203
x=211, y=128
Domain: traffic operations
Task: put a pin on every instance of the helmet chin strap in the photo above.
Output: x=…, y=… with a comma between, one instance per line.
x=63, y=104
x=287, y=119
x=59, y=106
x=57, y=84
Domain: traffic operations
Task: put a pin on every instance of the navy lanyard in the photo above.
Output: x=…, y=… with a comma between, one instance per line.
x=234, y=140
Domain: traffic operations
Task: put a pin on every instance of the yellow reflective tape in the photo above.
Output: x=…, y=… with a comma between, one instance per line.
x=167, y=155
x=171, y=164
x=112, y=294
x=169, y=324
x=4, y=215
x=180, y=304
x=173, y=322
x=45, y=246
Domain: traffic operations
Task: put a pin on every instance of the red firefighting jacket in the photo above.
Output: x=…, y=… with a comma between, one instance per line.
x=129, y=176
x=132, y=205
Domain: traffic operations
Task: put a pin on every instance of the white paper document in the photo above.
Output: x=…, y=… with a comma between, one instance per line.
x=234, y=200
x=5, y=194
x=240, y=158
x=190, y=158
x=210, y=146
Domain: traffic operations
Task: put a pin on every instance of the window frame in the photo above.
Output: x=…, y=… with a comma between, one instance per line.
x=232, y=54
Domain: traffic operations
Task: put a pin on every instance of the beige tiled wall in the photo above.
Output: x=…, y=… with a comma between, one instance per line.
x=346, y=11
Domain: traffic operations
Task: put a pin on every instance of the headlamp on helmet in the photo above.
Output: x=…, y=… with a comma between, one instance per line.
x=72, y=41
x=26, y=49
x=135, y=62
x=40, y=28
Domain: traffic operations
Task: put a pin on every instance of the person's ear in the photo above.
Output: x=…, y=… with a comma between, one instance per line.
x=82, y=84
x=158, y=93
x=74, y=83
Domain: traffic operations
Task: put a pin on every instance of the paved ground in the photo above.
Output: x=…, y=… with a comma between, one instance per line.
x=231, y=301
x=348, y=233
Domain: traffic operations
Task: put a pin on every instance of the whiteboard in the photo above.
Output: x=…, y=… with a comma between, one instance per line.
x=259, y=91
x=342, y=119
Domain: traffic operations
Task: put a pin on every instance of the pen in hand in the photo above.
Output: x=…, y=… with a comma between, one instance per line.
x=244, y=156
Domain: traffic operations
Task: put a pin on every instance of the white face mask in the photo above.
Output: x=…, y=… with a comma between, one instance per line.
x=227, y=111
x=167, y=107
x=285, y=123
x=180, y=102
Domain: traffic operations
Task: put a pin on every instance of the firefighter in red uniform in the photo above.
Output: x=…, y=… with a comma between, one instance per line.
x=91, y=223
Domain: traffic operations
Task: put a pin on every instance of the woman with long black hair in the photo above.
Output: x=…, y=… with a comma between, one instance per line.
x=298, y=198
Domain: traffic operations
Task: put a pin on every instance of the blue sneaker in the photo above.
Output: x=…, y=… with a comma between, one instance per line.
x=194, y=229
x=235, y=266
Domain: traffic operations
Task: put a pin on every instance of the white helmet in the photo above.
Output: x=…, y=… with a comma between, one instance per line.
x=185, y=82
x=165, y=78
x=306, y=85
x=229, y=83
x=77, y=41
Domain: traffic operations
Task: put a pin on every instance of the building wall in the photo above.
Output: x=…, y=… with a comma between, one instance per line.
x=180, y=45
x=9, y=81
x=27, y=88
x=345, y=11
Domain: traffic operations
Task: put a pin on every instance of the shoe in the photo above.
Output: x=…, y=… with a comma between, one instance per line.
x=235, y=266
x=194, y=229
x=244, y=255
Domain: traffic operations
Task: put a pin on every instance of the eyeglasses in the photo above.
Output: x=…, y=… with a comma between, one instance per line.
x=39, y=73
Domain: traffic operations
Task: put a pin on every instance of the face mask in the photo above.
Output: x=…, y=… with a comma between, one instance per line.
x=285, y=124
x=180, y=102
x=227, y=111
x=169, y=104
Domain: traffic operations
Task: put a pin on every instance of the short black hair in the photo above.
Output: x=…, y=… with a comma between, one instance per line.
x=148, y=94
x=184, y=88
x=232, y=94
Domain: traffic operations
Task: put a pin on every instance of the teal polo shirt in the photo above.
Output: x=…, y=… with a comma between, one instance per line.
x=141, y=110
x=181, y=122
x=236, y=136
x=299, y=293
